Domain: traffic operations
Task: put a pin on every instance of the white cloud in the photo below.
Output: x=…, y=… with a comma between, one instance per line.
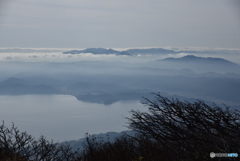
x=56, y=57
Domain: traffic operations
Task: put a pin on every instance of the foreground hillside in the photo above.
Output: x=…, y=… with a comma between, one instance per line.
x=170, y=130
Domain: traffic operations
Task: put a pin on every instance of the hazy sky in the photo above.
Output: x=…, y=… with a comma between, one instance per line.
x=119, y=23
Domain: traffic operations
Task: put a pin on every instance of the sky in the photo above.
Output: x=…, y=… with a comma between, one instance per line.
x=123, y=24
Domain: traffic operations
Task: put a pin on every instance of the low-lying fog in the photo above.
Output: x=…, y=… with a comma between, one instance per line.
x=77, y=92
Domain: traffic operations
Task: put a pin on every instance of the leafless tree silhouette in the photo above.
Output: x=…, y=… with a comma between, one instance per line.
x=170, y=130
x=16, y=145
x=189, y=130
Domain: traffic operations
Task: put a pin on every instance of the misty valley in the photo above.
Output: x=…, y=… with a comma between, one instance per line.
x=93, y=89
x=119, y=80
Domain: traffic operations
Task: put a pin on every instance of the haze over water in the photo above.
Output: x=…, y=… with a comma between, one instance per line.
x=63, y=117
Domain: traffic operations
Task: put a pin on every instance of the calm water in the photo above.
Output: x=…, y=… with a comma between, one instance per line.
x=63, y=117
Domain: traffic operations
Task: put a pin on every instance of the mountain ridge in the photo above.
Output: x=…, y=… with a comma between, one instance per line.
x=97, y=51
x=196, y=58
x=125, y=52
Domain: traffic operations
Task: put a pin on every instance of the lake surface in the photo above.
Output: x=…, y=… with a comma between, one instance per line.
x=63, y=117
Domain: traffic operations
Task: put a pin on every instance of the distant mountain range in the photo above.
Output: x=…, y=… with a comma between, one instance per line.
x=15, y=86
x=102, y=137
x=198, y=64
x=127, y=52
x=192, y=76
x=195, y=59
x=146, y=51
x=97, y=51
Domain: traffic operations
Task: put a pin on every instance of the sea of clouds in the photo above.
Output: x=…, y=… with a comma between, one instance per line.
x=56, y=54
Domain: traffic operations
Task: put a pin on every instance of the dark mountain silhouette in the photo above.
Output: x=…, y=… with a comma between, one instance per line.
x=127, y=52
x=97, y=51
x=198, y=64
x=195, y=59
